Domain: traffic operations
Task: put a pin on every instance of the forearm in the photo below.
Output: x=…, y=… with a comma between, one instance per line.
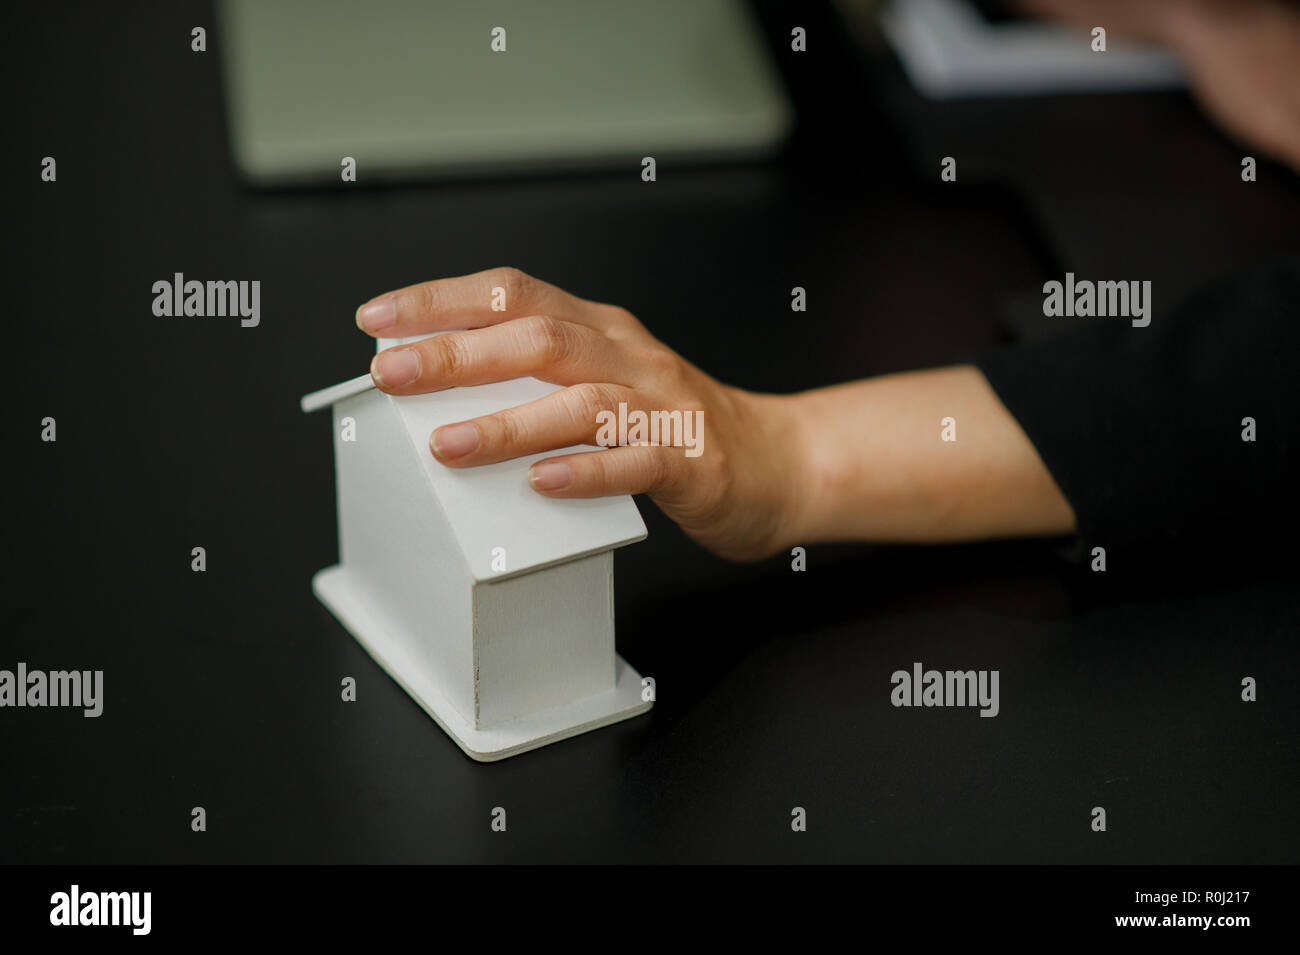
x=876, y=466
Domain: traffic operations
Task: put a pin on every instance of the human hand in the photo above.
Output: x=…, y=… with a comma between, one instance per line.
x=738, y=497
x=1242, y=57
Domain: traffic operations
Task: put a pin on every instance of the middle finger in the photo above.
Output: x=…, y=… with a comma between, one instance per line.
x=546, y=348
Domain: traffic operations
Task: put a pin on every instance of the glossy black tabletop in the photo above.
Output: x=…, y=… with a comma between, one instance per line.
x=221, y=689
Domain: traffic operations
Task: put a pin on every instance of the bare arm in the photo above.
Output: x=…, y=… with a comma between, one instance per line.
x=880, y=468
x=863, y=461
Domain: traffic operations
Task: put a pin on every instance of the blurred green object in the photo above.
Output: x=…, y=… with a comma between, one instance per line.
x=412, y=89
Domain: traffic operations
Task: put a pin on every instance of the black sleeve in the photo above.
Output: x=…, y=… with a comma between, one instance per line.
x=1142, y=427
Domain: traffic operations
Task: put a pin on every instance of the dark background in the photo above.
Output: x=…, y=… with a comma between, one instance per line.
x=222, y=689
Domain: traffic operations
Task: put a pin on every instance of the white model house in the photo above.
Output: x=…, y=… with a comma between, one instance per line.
x=491, y=605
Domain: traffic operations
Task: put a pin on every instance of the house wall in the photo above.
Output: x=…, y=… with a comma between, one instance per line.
x=543, y=639
x=396, y=543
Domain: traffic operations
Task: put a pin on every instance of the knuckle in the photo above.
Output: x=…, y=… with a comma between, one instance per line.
x=609, y=467
x=516, y=282
x=662, y=363
x=585, y=400
x=551, y=339
x=622, y=319
x=509, y=430
x=426, y=297
x=657, y=467
x=452, y=356
x=596, y=467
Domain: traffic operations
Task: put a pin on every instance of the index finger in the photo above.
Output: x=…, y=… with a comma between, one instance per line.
x=467, y=301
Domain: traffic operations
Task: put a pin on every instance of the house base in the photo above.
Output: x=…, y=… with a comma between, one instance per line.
x=334, y=587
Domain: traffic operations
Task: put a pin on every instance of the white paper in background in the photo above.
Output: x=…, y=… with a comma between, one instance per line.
x=949, y=50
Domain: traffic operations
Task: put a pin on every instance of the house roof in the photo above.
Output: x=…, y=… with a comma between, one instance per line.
x=336, y=393
x=493, y=505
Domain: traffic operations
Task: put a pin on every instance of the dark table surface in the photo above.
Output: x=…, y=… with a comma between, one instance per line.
x=1119, y=690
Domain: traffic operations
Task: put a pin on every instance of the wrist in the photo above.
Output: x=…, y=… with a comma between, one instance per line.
x=808, y=488
x=780, y=474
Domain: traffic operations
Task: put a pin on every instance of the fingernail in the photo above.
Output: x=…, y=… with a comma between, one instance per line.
x=377, y=315
x=550, y=475
x=392, y=369
x=455, y=440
